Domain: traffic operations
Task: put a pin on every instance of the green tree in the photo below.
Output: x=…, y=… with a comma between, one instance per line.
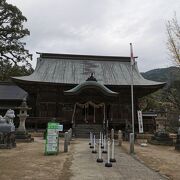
x=12, y=31
x=7, y=70
x=173, y=95
x=173, y=39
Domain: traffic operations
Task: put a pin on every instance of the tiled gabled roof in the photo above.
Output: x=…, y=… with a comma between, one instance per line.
x=75, y=69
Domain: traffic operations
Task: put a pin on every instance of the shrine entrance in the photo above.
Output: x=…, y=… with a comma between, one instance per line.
x=89, y=113
x=90, y=110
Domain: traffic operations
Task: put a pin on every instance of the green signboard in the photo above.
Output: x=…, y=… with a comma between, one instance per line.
x=52, y=139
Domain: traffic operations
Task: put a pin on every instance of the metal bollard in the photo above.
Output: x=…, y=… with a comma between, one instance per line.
x=100, y=137
x=66, y=142
x=112, y=159
x=90, y=135
x=91, y=146
x=104, y=150
x=99, y=160
x=102, y=141
x=112, y=134
x=119, y=137
x=94, y=150
x=108, y=164
x=131, y=143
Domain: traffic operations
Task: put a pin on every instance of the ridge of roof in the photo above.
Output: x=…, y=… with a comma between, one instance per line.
x=84, y=57
x=90, y=84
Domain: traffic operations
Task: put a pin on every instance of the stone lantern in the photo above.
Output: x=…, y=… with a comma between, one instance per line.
x=23, y=108
x=21, y=132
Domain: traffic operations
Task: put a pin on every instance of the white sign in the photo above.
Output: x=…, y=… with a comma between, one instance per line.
x=52, y=139
x=52, y=147
x=52, y=131
x=140, y=121
x=60, y=127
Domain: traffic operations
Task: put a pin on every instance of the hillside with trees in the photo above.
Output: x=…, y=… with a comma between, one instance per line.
x=170, y=94
x=168, y=98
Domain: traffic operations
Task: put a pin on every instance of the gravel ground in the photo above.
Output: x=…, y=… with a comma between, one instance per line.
x=163, y=159
x=27, y=161
x=84, y=166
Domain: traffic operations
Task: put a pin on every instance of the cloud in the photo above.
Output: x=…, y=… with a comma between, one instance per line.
x=101, y=27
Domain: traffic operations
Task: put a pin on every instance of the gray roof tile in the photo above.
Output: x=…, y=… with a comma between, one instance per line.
x=11, y=92
x=74, y=69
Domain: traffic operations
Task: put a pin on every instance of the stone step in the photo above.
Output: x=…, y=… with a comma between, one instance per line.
x=84, y=125
x=89, y=129
x=83, y=130
x=86, y=135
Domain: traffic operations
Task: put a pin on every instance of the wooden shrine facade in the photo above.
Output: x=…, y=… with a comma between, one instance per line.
x=81, y=89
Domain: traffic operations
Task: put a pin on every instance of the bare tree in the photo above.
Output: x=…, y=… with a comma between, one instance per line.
x=173, y=40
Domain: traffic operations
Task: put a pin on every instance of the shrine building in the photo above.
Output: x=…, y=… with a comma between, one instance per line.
x=84, y=92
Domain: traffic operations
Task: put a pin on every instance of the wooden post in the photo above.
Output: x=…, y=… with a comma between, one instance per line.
x=37, y=109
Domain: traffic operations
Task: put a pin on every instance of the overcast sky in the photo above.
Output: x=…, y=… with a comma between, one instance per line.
x=100, y=27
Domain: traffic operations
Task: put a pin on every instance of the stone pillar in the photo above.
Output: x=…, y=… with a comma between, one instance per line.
x=22, y=120
x=70, y=131
x=69, y=137
x=131, y=140
x=66, y=142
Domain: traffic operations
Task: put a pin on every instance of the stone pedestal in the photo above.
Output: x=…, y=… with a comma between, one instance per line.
x=23, y=137
x=161, y=138
x=22, y=119
x=7, y=140
x=7, y=130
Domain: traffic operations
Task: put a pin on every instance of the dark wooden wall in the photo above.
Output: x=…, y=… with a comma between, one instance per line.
x=49, y=102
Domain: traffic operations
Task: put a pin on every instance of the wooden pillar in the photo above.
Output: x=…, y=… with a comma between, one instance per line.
x=37, y=108
x=104, y=118
x=57, y=101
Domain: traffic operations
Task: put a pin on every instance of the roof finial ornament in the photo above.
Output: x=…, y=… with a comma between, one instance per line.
x=91, y=78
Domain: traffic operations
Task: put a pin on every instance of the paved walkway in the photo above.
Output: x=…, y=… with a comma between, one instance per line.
x=85, y=167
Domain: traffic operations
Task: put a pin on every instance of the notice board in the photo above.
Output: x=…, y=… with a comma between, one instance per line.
x=52, y=139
